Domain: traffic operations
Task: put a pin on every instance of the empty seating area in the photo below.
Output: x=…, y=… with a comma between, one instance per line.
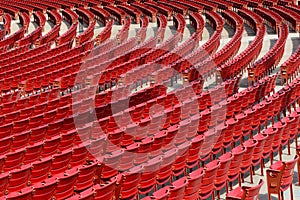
x=152, y=99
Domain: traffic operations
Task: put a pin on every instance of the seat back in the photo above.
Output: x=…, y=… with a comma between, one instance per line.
x=288, y=171
x=207, y=185
x=252, y=192
x=105, y=191
x=194, y=181
x=222, y=173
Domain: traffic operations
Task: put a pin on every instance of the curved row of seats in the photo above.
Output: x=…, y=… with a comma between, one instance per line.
x=269, y=61
x=57, y=134
x=239, y=63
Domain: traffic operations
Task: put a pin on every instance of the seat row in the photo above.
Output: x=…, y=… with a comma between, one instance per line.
x=239, y=63
x=142, y=33
x=148, y=10
x=177, y=7
x=132, y=11
x=269, y=61
x=192, y=6
x=118, y=14
x=162, y=9
x=290, y=68
x=122, y=35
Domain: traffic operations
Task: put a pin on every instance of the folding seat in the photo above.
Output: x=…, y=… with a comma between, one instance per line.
x=86, y=176
x=26, y=112
x=38, y=134
x=5, y=144
x=61, y=162
x=68, y=124
x=105, y=191
x=283, y=130
x=222, y=173
x=274, y=137
x=45, y=189
x=179, y=166
x=67, y=140
x=280, y=178
x=245, y=192
x=54, y=128
x=8, y=107
x=204, y=120
x=165, y=172
x=207, y=185
x=49, y=116
x=291, y=130
x=173, y=192
x=66, y=184
x=20, y=140
x=246, y=163
x=144, y=150
x=80, y=154
x=52, y=105
x=40, y=170
x=176, y=114
x=51, y=146
x=14, y=160
x=258, y=153
x=4, y=179
x=127, y=183
x=40, y=108
x=220, y=134
x=208, y=143
x=62, y=112
x=158, y=143
x=33, y=152
x=97, y=148
x=131, y=134
x=114, y=140
x=19, y=178
x=235, y=165
x=6, y=130
x=109, y=165
x=24, y=194
x=11, y=117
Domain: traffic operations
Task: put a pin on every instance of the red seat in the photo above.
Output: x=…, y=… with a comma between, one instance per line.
x=235, y=166
x=194, y=151
x=40, y=170
x=245, y=193
x=222, y=173
x=258, y=151
x=207, y=186
x=280, y=178
x=51, y=146
x=60, y=162
x=194, y=182
x=4, y=179
x=246, y=163
x=127, y=183
x=14, y=160
x=86, y=176
x=24, y=194
x=105, y=191
x=173, y=192
x=66, y=184
x=165, y=172
x=45, y=189
x=19, y=178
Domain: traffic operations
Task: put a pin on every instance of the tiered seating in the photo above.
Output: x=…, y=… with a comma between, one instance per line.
x=24, y=21
x=130, y=10
x=148, y=10
x=142, y=33
x=177, y=7
x=7, y=23
x=269, y=61
x=194, y=7
x=88, y=18
x=271, y=18
x=290, y=68
x=39, y=19
x=10, y=10
x=124, y=32
x=238, y=64
x=179, y=23
x=118, y=14
x=85, y=122
x=165, y=10
x=293, y=18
